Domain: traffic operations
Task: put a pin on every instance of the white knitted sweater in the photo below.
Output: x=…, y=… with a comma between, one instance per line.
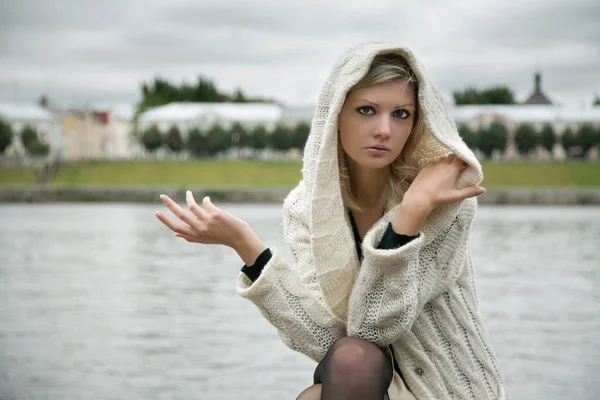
x=419, y=298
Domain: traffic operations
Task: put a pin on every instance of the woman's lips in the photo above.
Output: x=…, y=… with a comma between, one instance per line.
x=376, y=151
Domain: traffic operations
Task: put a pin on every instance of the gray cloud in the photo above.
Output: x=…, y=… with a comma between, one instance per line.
x=545, y=24
x=103, y=51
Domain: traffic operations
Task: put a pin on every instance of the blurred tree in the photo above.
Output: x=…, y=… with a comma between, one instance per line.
x=492, y=95
x=468, y=135
x=260, y=138
x=217, y=140
x=491, y=139
x=547, y=137
x=281, y=138
x=160, y=92
x=205, y=90
x=569, y=141
x=28, y=137
x=300, y=135
x=587, y=138
x=152, y=139
x=596, y=101
x=468, y=96
x=239, y=136
x=196, y=142
x=39, y=148
x=497, y=95
x=483, y=142
x=238, y=96
x=32, y=143
x=6, y=136
x=526, y=138
x=173, y=140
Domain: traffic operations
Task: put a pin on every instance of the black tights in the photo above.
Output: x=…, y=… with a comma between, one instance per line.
x=351, y=369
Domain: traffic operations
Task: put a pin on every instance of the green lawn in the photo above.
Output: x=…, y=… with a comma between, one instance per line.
x=259, y=174
x=542, y=175
x=17, y=175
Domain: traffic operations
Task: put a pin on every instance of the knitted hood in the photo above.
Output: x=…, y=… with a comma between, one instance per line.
x=331, y=235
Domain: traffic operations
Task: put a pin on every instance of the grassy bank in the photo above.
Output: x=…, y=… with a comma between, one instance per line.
x=258, y=174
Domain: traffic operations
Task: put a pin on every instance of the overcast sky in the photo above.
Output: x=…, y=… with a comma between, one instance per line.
x=87, y=52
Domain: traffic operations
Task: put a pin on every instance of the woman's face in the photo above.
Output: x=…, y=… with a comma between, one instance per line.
x=379, y=116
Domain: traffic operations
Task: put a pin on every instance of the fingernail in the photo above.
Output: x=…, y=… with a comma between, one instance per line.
x=188, y=192
x=480, y=190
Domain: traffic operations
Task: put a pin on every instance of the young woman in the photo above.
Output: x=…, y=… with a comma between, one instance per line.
x=381, y=292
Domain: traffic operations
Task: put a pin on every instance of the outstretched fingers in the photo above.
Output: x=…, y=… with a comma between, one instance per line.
x=201, y=214
x=176, y=226
x=179, y=212
x=194, y=207
x=188, y=238
x=209, y=205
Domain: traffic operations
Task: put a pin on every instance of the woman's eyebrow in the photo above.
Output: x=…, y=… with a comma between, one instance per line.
x=377, y=105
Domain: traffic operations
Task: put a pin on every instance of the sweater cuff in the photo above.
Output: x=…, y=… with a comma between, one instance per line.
x=392, y=240
x=253, y=271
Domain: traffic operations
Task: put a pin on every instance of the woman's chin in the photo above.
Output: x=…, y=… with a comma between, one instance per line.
x=375, y=162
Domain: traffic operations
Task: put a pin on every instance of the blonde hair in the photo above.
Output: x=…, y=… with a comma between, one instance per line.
x=403, y=170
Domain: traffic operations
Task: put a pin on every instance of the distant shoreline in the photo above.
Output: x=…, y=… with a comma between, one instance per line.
x=132, y=194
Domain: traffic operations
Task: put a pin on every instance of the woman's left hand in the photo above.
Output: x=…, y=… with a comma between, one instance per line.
x=435, y=184
x=210, y=225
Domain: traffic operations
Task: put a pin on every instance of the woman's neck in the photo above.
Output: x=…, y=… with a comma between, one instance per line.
x=367, y=184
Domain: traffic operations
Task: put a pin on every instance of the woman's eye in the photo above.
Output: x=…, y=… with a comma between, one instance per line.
x=402, y=114
x=366, y=110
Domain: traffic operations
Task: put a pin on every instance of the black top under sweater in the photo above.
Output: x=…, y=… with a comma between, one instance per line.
x=389, y=240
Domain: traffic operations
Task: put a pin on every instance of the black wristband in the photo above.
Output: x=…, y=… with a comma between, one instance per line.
x=253, y=271
x=393, y=240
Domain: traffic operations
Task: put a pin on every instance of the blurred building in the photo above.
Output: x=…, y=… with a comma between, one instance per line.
x=99, y=133
x=188, y=116
x=294, y=115
x=111, y=132
x=45, y=123
x=559, y=118
x=538, y=96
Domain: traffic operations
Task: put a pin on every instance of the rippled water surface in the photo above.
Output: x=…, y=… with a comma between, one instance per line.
x=100, y=301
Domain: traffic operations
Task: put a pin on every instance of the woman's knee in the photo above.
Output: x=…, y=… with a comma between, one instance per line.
x=355, y=346
x=352, y=355
x=311, y=393
x=355, y=365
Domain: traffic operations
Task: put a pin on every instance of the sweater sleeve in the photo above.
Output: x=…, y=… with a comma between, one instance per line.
x=253, y=271
x=390, y=240
x=289, y=296
x=394, y=285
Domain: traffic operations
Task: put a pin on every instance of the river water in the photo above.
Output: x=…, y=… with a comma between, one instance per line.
x=100, y=301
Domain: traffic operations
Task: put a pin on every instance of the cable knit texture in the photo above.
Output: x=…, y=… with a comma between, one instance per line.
x=420, y=298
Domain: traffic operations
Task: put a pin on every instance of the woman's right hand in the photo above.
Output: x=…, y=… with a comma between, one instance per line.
x=210, y=225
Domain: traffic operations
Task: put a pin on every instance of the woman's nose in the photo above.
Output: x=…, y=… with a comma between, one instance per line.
x=383, y=129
